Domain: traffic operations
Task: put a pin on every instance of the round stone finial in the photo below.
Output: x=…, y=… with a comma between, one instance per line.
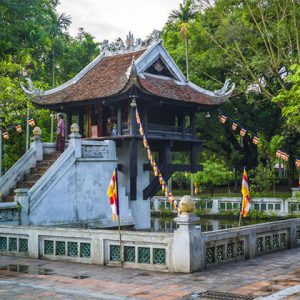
x=37, y=131
x=74, y=128
x=186, y=205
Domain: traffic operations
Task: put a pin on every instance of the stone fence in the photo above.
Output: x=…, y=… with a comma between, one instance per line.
x=187, y=249
x=274, y=206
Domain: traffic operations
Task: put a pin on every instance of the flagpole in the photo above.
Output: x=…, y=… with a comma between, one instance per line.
x=119, y=222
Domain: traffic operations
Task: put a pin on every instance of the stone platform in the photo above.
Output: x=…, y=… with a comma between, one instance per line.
x=276, y=274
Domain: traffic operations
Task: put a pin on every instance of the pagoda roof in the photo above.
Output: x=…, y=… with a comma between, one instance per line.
x=110, y=75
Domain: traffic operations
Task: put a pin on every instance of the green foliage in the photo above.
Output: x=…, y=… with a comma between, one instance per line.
x=34, y=38
x=214, y=174
x=289, y=98
x=261, y=179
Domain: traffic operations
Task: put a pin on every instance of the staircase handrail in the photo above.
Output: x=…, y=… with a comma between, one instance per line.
x=57, y=169
x=18, y=169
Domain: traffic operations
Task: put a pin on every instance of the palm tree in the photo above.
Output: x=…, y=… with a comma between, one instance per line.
x=183, y=16
x=56, y=29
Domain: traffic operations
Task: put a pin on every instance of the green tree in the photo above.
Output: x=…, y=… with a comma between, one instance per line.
x=184, y=15
x=214, y=174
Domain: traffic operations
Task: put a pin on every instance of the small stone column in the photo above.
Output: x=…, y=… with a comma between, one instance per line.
x=75, y=140
x=22, y=198
x=187, y=244
x=37, y=143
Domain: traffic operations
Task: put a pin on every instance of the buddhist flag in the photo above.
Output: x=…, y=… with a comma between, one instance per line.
x=297, y=162
x=31, y=122
x=19, y=128
x=243, y=132
x=234, y=126
x=279, y=153
x=256, y=140
x=138, y=120
x=5, y=135
x=223, y=119
x=112, y=193
x=285, y=156
x=246, y=195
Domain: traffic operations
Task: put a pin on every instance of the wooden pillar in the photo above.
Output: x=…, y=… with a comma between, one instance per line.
x=119, y=119
x=68, y=124
x=183, y=123
x=193, y=125
x=133, y=168
x=133, y=124
x=193, y=157
x=80, y=123
x=146, y=122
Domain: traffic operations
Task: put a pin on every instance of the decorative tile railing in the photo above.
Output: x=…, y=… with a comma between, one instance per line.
x=14, y=244
x=138, y=254
x=223, y=251
x=271, y=242
x=66, y=248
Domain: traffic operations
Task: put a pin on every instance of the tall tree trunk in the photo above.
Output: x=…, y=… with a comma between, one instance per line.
x=53, y=69
x=187, y=56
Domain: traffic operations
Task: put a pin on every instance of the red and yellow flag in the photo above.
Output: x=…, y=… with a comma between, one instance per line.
x=246, y=195
x=112, y=193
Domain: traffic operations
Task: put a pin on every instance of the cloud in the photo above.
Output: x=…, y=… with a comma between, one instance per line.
x=115, y=18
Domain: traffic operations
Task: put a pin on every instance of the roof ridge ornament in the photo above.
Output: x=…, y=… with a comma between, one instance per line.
x=31, y=90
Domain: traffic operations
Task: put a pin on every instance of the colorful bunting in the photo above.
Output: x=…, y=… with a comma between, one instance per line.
x=297, y=162
x=31, y=122
x=19, y=128
x=243, y=132
x=283, y=155
x=256, y=140
x=6, y=135
x=155, y=169
x=223, y=119
x=234, y=126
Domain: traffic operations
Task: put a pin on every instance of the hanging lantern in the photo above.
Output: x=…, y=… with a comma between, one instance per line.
x=243, y=132
x=19, y=128
x=256, y=140
x=223, y=119
x=234, y=126
x=6, y=135
x=279, y=153
x=285, y=156
x=31, y=122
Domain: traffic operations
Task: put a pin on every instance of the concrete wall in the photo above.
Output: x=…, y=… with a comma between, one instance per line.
x=74, y=188
x=186, y=250
x=274, y=206
x=140, y=207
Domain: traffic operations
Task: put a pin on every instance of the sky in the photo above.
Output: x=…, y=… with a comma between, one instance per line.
x=115, y=18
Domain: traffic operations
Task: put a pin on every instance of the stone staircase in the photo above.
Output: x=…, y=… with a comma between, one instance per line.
x=33, y=176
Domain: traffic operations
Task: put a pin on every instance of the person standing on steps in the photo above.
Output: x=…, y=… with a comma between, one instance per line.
x=60, y=137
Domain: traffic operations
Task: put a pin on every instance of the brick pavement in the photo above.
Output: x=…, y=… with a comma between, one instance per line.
x=23, y=278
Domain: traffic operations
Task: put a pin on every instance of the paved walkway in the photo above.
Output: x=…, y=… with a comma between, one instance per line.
x=276, y=274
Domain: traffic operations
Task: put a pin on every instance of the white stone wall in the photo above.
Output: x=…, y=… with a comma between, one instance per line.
x=140, y=208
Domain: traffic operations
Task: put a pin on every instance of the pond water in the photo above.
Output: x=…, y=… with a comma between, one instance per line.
x=207, y=224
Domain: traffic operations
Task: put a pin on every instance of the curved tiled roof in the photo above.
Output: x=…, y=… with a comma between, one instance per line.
x=111, y=75
x=170, y=89
x=108, y=77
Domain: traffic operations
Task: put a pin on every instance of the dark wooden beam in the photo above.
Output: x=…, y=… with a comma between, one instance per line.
x=133, y=124
x=133, y=168
x=193, y=124
x=175, y=167
x=119, y=119
x=193, y=158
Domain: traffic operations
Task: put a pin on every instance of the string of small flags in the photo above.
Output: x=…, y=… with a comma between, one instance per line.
x=155, y=168
x=18, y=128
x=256, y=140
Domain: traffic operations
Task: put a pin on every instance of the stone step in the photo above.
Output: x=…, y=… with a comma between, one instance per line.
x=25, y=185
x=45, y=163
x=52, y=156
x=33, y=176
x=38, y=170
x=9, y=198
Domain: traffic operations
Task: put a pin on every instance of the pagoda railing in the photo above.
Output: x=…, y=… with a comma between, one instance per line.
x=159, y=128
